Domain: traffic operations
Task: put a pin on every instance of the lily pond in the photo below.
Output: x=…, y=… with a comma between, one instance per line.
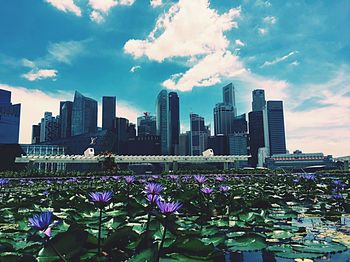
x=297, y=217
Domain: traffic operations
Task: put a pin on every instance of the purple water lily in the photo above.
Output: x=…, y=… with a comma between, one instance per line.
x=168, y=207
x=220, y=178
x=4, y=181
x=337, y=196
x=207, y=190
x=101, y=199
x=153, y=188
x=129, y=179
x=199, y=179
x=309, y=177
x=224, y=188
x=338, y=184
x=152, y=198
x=42, y=222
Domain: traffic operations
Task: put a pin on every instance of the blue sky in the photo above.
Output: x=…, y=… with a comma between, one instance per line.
x=298, y=51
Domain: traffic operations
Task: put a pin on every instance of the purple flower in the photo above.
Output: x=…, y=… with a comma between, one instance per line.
x=199, y=179
x=173, y=177
x=4, y=181
x=338, y=184
x=296, y=181
x=129, y=179
x=309, y=177
x=42, y=222
x=101, y=199
x=168, y=208
x=220, y=178
x=152, y=198
x=207, y=190
x=153, y=188
x=337, y=196
x=224, y=189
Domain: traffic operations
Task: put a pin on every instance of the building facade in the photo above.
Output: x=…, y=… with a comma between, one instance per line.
x=259, y=101
x=199, y=135
x=109, y=104
x=9, y=119
x=66, y=109
x=84, y=115
x=146, y=125
x=162, y=118
x=174, y=123
x=223, y=118
x=277, y=136
x=49, y=127
x=256, y=135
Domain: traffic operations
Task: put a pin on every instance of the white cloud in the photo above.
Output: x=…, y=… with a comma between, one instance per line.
x=38, y=74
x=278, y=59
x=66, y=6
x=102, y=7
x=135, y=68
x=270, y=20
x=64, y=52
x=178, y=34
x=28, y=63
x=238, y=42
x=262, y=31
x=261, y=3
x=156, y=3
x=31, y=113
x=295, y=63
x=207, y=72
x=96, y=17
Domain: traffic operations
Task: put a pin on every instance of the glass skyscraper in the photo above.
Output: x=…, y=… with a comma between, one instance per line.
x=9, y=119
x=277, y=136
x=49, y=128
x=108, y=112
x=259, y=101
x=174, y=123
x=84, y=115
x=162, y=108
x=146, y=125
x=66, y=109
x=223, y=118
x=229, y=96
x=256, y=135
x=199, y=135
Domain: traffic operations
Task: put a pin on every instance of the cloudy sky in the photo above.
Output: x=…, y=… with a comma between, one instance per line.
x=297, y=50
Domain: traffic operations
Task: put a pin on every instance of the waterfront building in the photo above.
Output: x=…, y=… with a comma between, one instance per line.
x=223, y=118
x=146, y=125
x=145, y=145
x=184, y=144
x=275, y=118
x=9, y=119
x=36, y=133
x=199, y=134
x=108, y=112
x=219, y=144
x=162, y=120
x=256, y=135
x=66, y=109
x=174, y=123
x=49, y=127
x=229, y=97
x=259, y=101
x=84, y=115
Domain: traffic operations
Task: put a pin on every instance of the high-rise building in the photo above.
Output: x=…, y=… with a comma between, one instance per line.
x=238, y=143
x=256, y=135
x=229, y=97
x=162, y=108
x=49, y=128
x=277, y=136
x=146, y=125
x=259, y=101
x=174, y=123
x=218, y=144
x=36, y=134
x=199, y=135
x=84, y=115
x=239, y=124
x=66, y=109
x=184, y=144
x=223, y=118
x=9, y=119
x=108, y=112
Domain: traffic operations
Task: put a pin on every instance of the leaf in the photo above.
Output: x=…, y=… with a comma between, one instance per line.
x=145, y=256
x=248, y=242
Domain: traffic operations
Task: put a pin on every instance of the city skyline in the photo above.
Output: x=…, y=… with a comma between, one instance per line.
x=309, y=73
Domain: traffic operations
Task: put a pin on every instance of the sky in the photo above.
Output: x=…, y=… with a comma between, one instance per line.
x=297, y=50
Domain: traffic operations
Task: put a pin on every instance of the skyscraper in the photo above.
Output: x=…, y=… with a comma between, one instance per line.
x=229, y=97
x=36, y=134
x=162, y=109
x=49, y=128
x=238, y=139
x=277, y=136
x=146, y=125
x=84, y=115
x=256, y=135
x=223, y=118
x=9, y=119
x=199, y=135
x=108, y=112
x=259, y=102
x=66, y=108
x=174, y=123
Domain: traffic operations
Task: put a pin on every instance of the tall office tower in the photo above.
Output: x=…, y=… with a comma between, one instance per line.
x=238, y=139
x=163, y=121
x=108, y=112
x=229, y=96
x=223, y=118
x=199, y=135
x=49, y=128
x=174, y=123
x=277, y=136
x=146, y=125
x=259, y=101
x=84, y=115
x=66, y=109
x=219, y=144
x=36, y=134
x=256, y=135
x=239, y=124
x=125, y=131
x=9, y=119
x=184, y=144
